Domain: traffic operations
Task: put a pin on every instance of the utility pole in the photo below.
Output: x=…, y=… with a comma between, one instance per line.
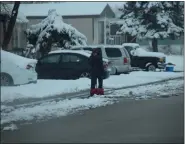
x=105, y=35
x=1, y=35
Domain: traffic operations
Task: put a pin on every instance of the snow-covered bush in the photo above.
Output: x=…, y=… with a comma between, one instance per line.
x=152, y=20
x=52, y=30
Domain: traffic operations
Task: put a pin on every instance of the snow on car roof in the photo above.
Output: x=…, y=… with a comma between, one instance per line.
x=82, y=52
x=96, y=46
x=16, y=59
x=130, y=44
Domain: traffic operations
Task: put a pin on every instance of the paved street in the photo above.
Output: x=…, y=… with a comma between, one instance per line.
x=158, y=121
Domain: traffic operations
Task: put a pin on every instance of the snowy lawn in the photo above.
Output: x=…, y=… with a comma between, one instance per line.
x=47, y=88
x=178, y=60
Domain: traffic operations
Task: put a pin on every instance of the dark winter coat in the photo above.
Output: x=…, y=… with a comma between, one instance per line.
x=96, y=63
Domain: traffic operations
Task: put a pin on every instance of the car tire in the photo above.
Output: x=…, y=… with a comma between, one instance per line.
x=151, y=67
x=117, y=73
x=85, y=75
x=126, y=73
x=6, y=80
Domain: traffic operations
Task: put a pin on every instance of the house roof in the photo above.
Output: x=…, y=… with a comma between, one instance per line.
x=66, y=8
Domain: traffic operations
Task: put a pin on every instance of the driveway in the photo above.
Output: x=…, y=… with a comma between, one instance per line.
x=155, y=121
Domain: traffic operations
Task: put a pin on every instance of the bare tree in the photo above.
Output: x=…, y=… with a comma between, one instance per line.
x=11, y=24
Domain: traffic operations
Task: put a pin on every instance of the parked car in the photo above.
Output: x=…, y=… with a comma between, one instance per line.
x=17, y=51
x=66, y=64
x=143, y=59
x=118, y=56
x=17, y=70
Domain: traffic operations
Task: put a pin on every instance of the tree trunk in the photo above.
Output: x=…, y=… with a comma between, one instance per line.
x=154, y=45
x=11, y=25
x=4, y=28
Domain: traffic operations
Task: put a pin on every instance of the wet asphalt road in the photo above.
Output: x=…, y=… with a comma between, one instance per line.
x=144, y=121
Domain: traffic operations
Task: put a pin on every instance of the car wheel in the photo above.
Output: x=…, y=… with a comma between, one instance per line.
x=6, y=80
x=126, y=73
x=117, y=72
x=151, y=67
x=85, y=74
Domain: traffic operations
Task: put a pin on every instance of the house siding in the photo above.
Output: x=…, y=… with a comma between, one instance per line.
x=83, y=25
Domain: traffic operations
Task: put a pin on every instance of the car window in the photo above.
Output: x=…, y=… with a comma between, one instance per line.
x=71, y=58
x=76, y=49
x=50, y=59
x=113, y=52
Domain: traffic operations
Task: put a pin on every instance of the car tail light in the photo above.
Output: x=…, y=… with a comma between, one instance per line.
x=125, y=60
x=28, y=67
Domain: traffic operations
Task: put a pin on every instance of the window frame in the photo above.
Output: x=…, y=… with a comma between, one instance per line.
x=72, y=54
x=50, y=55
x=120, y=53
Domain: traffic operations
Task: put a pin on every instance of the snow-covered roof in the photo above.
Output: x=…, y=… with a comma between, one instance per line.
x=82, y=52
x=64, y=8
x=115, y=8
x=67, y=8
x=7, y=9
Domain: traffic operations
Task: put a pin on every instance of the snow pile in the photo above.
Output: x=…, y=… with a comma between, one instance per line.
x=7, y=9
x=53, y=109
x=11, y=127
x=178, y=60
x=143, y=92
x=49, y=88
x=53, y=30
x=16, y=59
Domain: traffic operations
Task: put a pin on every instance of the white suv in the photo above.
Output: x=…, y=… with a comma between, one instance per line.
x=117, y=55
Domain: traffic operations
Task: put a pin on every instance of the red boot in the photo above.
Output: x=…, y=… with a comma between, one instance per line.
x=100, y=91
x=92, y=92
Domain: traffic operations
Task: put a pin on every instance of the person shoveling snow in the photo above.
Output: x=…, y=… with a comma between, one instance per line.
x=97, y=69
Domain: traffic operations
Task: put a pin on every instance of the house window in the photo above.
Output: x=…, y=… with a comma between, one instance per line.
x=114, y=28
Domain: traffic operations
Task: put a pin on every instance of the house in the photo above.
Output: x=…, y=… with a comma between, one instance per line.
x=18, y=38
x=90, y=18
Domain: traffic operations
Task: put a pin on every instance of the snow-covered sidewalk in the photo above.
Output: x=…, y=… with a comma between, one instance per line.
x=49, y=88
x=53, y=109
